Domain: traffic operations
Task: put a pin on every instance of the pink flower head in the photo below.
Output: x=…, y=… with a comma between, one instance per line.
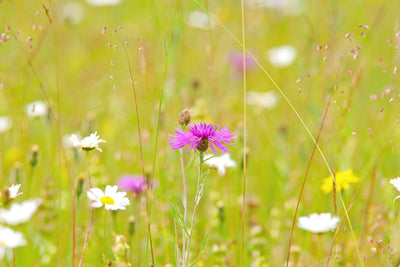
x=236, y=59
x=202, y=135
x=132, y=183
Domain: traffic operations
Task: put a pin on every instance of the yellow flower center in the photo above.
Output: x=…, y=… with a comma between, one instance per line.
x=107, y=200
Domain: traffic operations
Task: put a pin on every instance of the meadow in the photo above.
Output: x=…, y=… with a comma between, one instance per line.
x=253, y=133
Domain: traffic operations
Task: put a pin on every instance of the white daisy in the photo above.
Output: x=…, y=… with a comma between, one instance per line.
x=267, y=100
x=36, y=109
x=396, y=183
x=10, y=239
x=13, y=190
x=200, y=20
x=282, y=56
x=88, y=143
x=110, y=198
x=318, y=223
x=5, y=124
x=221, y=162
x=69, y=140
x=19, y=212
x=103, y=2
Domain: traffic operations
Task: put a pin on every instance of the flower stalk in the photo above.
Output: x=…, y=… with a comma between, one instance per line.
x=199, y=193
x=184, y=202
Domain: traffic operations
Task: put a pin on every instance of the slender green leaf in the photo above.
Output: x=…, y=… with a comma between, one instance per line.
x=178, y=257
x=203, y=246
x=178, y=217
x=190, y=164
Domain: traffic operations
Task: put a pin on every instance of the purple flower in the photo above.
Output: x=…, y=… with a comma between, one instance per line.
x=132, y=183
x=236, y=60
x=202, y=135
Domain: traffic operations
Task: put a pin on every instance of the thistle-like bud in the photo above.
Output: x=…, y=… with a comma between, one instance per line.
x=131, y=229
x=221, y=213
x=17, y=173
x=79, y=187
x=34, y=155
x=5, y=196
x=184, y=117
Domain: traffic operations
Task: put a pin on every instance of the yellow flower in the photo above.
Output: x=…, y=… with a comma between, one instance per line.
x=343, y=180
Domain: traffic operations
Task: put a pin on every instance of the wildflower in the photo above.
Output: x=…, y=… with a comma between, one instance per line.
x=200, y=20
x=88, y=143
x=284, y=7
x=10, y=239
x=318, y=223
x=110, y=198
x=282, y=56
x=13, y=191
x=19, y=212
x=5, y=124
x=396, y=183
x=132, y=183
x=236, y=60
x=267, y=100
x=103, y=2
x=184, y=117
x=221, y=162
x=36, y=109
x=202, y=135
x=69, y=140
x=343, y=180
x=72, y=12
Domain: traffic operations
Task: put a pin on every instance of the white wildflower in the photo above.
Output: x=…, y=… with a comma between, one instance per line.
x=200, y=20
x=36, y=109
x=110, y=198
x=88, y=143
x=221, y=162
x=5, y=124
x=103, y=2
x=10, y=239
x=318, y=223
x=284, y=7
x=72, y=12
x=396, y=183
x=282, y=56
x=267, y=100
x=19, y=212
x=13, y=190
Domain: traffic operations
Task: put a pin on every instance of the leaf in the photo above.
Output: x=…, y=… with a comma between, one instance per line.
x=178, y=217
x=203, y=246
x=178, y=256
x=190, y=164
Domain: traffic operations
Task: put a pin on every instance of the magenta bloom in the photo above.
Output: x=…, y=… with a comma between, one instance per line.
x=202, y=135
x=132, y=183
x=236, y=60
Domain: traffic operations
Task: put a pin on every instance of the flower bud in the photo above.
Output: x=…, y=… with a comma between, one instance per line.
x=131, y=229
x=79, y=187
x=34, y=155
x=184, y=117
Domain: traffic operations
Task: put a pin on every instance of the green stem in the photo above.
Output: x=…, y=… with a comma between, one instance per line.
x=184, y=202
x=199, y=193
x=105, y=236
x=88, y=169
